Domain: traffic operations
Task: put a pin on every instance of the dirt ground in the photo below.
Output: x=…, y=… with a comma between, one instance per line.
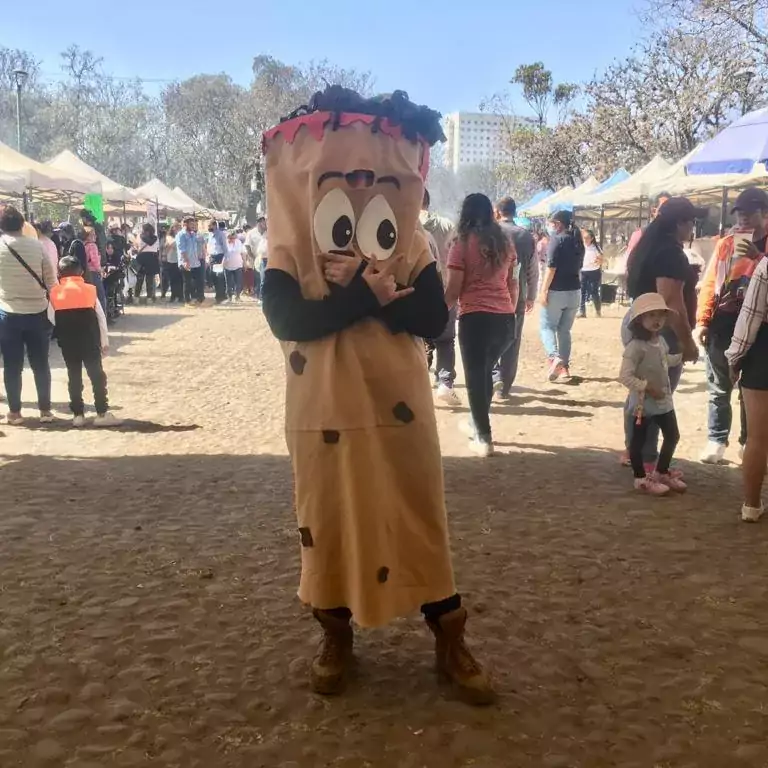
x=147, y=587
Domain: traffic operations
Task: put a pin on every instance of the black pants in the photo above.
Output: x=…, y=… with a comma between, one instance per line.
x=141, y=277
x=590, y=289
x=172, y=274
x=667, y=423
x=194, y=284
x=75, y=358
x=482, y=336
x=505, y=370
x=431, y=611
x=443, y=351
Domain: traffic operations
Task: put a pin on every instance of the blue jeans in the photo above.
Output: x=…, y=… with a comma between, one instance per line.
x=33, y=334
x=94, y=278
x=720, y=390
x=556, y=321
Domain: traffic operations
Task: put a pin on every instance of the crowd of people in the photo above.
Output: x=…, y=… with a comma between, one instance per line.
x=494, y=273
x=49, y=276
x=676, y=311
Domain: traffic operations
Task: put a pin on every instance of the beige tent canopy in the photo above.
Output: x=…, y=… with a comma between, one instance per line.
x=636, y=186
x=155, y=191
x=12, y=183
x=68, y=162
x=43, y=180
x=205, y=210
x=565, y=199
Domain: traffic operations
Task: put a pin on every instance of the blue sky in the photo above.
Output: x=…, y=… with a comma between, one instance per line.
x=449, y=55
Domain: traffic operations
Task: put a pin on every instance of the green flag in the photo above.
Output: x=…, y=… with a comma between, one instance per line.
x=95, y=204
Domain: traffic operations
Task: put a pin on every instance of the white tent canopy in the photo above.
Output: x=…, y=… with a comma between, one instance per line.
x=180, y=193
x=39, y=176
x=68, y=162
x=155, y=191
x=12, y=183
x=636, y=186
x=565, y=199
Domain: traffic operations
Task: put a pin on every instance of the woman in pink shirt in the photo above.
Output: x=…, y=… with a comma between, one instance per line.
x=482, y=277
x=93, y=262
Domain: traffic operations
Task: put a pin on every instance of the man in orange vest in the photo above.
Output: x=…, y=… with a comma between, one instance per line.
x=81, y=330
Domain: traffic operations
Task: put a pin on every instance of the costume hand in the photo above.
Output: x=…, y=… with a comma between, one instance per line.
x=745, y=248
x=701, y=334
x=382, y=281
x=340, y=268
x=529, y=305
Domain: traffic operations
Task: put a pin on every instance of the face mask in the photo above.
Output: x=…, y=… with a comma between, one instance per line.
x=551, y=230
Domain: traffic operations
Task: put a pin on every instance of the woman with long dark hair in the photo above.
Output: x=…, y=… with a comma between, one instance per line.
x=483, y=279
x=560, y=292
x=148, y=262
x=658, y=264
x=591, y=273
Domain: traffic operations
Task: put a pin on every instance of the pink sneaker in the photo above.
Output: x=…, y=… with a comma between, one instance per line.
x=675, y=484
x=650, y=486
x=650, y=469
x=556, y=369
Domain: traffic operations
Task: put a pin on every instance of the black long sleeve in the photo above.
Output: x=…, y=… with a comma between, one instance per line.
x=423, y=313
x=294, y=318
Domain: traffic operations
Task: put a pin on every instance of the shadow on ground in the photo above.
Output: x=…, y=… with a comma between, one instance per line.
x=155, y=597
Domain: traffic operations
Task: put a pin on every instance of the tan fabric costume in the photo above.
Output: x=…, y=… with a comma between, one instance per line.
x=360, y=420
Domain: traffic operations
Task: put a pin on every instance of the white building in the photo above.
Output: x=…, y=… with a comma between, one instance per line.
x=476, y=138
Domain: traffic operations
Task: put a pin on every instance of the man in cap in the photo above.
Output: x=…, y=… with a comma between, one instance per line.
x=722, y=293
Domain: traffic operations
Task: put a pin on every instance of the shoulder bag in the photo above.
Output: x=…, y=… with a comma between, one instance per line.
x=49, y=309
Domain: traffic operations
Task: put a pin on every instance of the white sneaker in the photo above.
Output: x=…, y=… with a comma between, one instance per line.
x=481, y=448
x=752, y=514
x=714, y=453
x=78, y=422
x=107, y=419
x=15, y=419
x=447, y=395
x=47, y=418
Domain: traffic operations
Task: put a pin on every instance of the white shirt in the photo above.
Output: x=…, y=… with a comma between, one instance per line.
x=252, y=239
x=233, y=259
x=261, y=250
x=592, y=259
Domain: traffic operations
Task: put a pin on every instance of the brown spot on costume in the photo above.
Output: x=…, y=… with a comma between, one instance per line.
x=360, y=422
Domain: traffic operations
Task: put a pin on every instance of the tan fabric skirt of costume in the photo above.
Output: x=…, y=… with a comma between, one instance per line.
x=370, y=501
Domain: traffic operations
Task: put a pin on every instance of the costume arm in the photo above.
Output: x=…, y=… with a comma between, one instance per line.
x=294, y=318
x=423, y=313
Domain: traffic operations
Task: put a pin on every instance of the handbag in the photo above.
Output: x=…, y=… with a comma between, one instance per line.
x=51, y=312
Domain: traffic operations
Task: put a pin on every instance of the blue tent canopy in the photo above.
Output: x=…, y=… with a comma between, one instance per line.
x=537, y=198
x=736, y=148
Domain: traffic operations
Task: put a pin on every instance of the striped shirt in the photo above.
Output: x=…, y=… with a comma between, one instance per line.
x=754, y=312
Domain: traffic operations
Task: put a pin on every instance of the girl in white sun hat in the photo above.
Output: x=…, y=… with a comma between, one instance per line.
x=645, y=372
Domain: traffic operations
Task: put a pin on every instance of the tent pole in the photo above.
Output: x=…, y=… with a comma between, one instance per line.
x=723, y=211
x=123, y=211
x=640, y=214
x=602, y=225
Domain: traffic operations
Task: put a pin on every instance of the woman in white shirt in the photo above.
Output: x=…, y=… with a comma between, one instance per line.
x=233, y=267
x=591, y=273
x=25, y=276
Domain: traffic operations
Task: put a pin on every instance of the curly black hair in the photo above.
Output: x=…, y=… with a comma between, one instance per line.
x=415, y=121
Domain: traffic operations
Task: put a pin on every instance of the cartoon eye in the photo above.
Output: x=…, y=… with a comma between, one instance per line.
x=377, y=231
x=334, y=222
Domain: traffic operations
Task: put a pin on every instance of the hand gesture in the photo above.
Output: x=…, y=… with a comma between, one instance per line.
x=701, y=334
x=690, y=352
x=746, y=248
x=340, y=268
x=529, y=306
x=382, y=281
x=105, y=350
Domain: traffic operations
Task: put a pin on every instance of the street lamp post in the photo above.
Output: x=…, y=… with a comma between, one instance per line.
x=20, y=76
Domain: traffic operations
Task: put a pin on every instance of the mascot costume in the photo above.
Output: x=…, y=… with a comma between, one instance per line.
x=350, y=289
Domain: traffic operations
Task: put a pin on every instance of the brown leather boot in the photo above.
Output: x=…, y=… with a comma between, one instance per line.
x=330, y=665
x=456, y=662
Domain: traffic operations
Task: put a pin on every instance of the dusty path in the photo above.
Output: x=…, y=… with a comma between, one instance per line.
x=147, y=603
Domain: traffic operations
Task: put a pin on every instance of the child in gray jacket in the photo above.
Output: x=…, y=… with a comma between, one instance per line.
x=645, y=372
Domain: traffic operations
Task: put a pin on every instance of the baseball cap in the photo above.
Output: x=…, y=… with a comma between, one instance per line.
x=750, y=200
x=681, y=209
